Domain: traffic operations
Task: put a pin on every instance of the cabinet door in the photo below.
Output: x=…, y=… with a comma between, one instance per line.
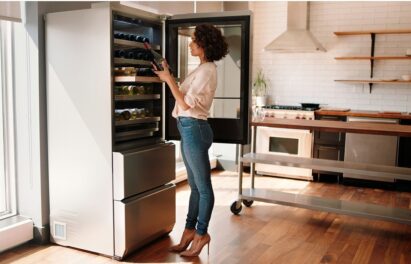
x=229, y=113
x=328, y=152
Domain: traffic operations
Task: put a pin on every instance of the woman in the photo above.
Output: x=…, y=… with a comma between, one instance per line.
x=193, y=102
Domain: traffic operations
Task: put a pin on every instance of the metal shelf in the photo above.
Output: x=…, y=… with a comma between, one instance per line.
x=375, y=212
x=371, y=211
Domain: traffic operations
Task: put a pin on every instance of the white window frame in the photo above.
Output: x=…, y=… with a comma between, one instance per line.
x=8, y=124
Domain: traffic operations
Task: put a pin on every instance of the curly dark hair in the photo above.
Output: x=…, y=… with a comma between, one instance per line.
x=212, y=41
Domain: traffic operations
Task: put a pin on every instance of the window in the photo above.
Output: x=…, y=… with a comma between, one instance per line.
x=7, y=173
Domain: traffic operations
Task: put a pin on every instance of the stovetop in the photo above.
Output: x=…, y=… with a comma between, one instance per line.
x=288, y=112
x=289, y=107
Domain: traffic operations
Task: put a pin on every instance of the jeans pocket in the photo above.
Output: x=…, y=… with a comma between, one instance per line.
x=206, y=134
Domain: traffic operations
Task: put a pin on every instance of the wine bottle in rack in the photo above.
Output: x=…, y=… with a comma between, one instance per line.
x=138, y=55
x=130, y=55
x=133, y=37
x=139, y=39
x=119, y=53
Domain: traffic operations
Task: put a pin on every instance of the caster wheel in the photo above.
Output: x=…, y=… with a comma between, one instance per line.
x=248, y=203
x=234, y=208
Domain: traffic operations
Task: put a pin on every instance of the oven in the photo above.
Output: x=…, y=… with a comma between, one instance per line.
x=283, y=141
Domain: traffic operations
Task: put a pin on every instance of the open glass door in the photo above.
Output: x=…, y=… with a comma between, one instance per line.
x=229, y=114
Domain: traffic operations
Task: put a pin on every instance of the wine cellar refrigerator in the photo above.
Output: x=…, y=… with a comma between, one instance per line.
x=108, y=117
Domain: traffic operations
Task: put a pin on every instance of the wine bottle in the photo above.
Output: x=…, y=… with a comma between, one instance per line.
x=157, y=59
x=129, y=55
x=139, y=39
x=138, y=55
x=119, y=53
x=133, y=37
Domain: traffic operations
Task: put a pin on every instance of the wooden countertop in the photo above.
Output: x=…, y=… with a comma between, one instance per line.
x=337, y=126
x=364, y=113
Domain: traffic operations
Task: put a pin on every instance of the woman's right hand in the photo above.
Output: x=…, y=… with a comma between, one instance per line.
x=165, y=74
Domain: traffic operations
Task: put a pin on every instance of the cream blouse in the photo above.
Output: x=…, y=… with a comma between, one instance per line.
x=198, y=89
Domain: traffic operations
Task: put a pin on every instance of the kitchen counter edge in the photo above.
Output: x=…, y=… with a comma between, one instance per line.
x=363, y=113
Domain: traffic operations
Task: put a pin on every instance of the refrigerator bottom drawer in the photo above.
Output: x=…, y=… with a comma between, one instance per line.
x=140, y=220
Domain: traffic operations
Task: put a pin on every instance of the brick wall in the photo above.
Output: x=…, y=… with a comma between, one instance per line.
x=309, y=77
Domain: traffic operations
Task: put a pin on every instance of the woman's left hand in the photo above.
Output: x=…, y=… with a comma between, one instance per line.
x=165, y=74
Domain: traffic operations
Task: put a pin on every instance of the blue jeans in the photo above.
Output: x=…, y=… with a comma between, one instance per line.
x=196, y=139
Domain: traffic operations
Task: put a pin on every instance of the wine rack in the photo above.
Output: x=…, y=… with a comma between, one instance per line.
x=131, y=54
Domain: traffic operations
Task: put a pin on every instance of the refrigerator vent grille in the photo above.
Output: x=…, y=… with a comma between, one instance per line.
x=60, y=230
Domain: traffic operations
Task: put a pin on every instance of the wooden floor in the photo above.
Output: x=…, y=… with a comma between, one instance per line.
x=266, y=233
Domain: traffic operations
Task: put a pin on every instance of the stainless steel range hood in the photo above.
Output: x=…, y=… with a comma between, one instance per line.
x=297, y=37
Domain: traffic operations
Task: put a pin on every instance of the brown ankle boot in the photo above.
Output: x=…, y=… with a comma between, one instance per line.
x=186, y=238
x=198, y=243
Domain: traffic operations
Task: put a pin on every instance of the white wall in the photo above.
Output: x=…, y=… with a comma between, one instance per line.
x=309, y=77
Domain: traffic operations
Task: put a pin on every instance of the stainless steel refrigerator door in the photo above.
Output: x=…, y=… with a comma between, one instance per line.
x=139, y=170
x=143, y=218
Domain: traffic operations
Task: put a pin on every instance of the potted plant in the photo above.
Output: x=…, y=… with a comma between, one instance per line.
x=260, y=89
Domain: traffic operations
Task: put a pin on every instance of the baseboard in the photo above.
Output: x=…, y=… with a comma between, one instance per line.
x=14, y=231
x=42, y=234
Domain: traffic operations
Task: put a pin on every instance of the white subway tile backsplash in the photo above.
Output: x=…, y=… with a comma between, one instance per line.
x=302, y=77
